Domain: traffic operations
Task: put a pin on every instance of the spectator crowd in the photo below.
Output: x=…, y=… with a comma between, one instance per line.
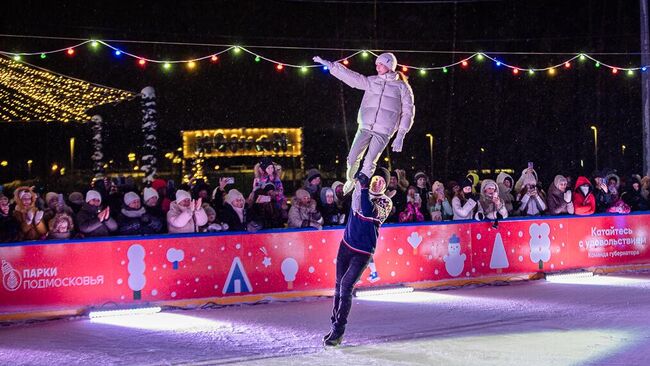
x=112, y=209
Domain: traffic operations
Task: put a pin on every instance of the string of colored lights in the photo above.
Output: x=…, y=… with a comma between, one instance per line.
x=280, y=65
x=34, y=94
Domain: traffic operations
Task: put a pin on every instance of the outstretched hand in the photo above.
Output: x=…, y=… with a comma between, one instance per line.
x=319, y=60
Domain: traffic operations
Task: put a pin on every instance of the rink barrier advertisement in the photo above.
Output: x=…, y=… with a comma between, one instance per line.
x=233, y=267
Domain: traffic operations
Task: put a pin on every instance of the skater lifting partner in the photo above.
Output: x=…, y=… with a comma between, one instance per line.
x=386, y=108
x=370, y=208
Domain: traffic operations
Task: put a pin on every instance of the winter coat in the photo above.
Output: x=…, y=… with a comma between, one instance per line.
x=399, y=203
x=157, y=213
x=183, y=220
x=424, y=195
x=583, y=204
x=55, y=221
x=387, y=104
x=138, y=222
x=332, y=214
x=304, y=216
x=557, y=205
x=463, y=211
x=89, y=224
x=486, y=208
x=28, y=231
x=505, y=192
x=9, y=228
x=633, y=197
x=530, y=205
x=265, y=216
x=411, y=214
x=50, y=212
x=524, y=175
x=263, y=179
x=230, y=217
x=367, y=214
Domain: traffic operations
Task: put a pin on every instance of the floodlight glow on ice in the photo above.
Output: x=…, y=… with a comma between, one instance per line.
x=564, y=277
x=385, y=291
x=122, y=312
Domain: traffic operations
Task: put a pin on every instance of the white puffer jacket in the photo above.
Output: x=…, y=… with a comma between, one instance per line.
x=387, y=104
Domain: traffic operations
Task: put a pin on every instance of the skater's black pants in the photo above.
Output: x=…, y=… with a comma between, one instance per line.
x=349, y=267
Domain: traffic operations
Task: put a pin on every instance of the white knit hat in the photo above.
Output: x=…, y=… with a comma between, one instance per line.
x=387, y=59
x=92, y=194
x=232, y=195
x=181, y=195
x=150, y=192
x=130, y=197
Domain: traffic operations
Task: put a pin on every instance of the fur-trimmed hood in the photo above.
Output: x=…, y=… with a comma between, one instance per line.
x=502, y=178
x=19, y=203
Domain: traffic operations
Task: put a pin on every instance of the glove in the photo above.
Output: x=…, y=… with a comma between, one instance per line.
x=30, y=217
x=398, y=142
x=470, y=196
x=305, y=223
x=567, y=196
x=38, y=217
x=480, y=216
x=364, y=181
x=319, y=60
x=224, y=226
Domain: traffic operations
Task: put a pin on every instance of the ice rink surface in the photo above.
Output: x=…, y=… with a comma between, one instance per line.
x=603, y=320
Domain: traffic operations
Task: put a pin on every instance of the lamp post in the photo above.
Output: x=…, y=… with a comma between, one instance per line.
x=623, y=150
x=71, y=154
x=595, y=145
x=29, y=168
x=430, y=136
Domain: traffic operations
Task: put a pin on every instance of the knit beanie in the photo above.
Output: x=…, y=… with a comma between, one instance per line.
x=182, y=195
x=301, y=193
x=150, y=192
x=92, y=194
x=387, y=59
x=130, y=197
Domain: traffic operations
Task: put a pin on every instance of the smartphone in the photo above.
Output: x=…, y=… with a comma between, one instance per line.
x=264, y=199
x=230, y=180
x=530, y=165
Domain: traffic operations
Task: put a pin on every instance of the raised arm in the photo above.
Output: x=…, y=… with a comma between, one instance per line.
x=351, y=78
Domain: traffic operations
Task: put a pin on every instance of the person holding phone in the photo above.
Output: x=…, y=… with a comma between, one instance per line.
x=530, y=170
x=412, y=212
x=490, y=206
x=531, y=199
x=265, y=212
x=266, y=171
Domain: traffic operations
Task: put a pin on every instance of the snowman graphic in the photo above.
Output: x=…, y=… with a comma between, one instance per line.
x=454, y=260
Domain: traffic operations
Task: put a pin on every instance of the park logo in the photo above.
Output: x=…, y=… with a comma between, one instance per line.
x=11, y=278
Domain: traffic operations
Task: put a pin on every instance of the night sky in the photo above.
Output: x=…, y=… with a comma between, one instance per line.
x=516, y=119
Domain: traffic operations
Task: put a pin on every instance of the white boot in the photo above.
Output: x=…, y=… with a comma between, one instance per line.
x=348, y=187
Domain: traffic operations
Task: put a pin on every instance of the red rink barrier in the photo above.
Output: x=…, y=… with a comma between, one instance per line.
x=39, y=276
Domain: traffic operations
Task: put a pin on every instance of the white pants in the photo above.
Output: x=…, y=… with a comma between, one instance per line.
x=364, y=140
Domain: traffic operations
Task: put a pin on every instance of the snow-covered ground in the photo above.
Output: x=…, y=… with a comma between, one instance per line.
x=595, y=321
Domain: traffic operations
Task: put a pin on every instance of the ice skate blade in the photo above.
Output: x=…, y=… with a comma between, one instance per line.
x=333, y=342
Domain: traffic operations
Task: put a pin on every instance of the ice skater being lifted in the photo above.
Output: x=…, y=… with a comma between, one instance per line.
x=387, y=107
